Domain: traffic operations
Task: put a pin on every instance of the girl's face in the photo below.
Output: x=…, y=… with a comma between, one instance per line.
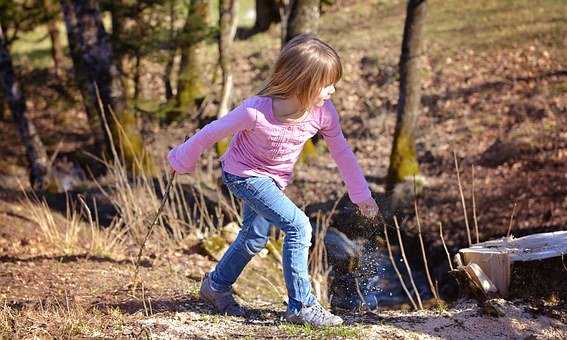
x=325, y=94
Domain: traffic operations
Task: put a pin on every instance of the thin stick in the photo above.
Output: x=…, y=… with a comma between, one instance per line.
x=163, y=200
x=511, y=220
x=360, y=296
x=445, y=246
x=407, y=263
x=423, y=252
x=462, y=198
x=144, y=300
x=474, y=206
x=396, y=269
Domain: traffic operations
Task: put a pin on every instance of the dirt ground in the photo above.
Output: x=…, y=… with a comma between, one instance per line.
x=500, y=104
x=50, y=295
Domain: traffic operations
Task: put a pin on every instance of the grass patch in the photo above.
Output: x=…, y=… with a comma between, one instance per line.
x=321, y=332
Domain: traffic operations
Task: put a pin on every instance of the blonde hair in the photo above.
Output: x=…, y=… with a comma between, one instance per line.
x=304, y=67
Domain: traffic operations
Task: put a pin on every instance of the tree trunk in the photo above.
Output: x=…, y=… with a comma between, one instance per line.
x=97, y=75
x=56, y=47
x=190, y=84
x=303, y=18
x=228, y=10
x=35, y=151
x=2, y=104
x=403, y=160
x=122, y=24
x=171, y=55
x=266, y=14
x=300, y=16
x=227, y=25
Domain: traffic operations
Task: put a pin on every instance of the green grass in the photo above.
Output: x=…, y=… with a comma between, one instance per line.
x=321, y=332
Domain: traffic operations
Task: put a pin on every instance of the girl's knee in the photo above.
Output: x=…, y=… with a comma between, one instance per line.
x=254, y=246
x=301, y=230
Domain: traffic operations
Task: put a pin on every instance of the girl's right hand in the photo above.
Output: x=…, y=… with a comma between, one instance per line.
x=369, y=208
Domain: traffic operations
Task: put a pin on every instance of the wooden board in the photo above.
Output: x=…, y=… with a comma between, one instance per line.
x=496, y=256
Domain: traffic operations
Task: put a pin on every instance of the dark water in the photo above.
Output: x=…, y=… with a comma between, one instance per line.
x=373, y=282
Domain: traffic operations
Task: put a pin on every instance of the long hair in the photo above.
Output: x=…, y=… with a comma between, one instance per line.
x=304, y=67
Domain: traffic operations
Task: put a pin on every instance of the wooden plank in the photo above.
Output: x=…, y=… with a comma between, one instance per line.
x=495, y=257
x=494, y=263
x=529, y=248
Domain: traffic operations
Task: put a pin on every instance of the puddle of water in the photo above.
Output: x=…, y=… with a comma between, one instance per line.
x=374, y=282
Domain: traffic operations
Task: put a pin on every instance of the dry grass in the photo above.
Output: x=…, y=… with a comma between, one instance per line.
x=57, y=319
x=69, y=234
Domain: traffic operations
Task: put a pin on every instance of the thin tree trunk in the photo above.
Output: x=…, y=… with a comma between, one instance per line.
x=227, y=23
x=137, y=77
x=190, y=83
x=303, y=18
x=171, y=55
x=35, y=151
x=121, y=24
x=95, y=68
x=228, y=18
x=284, y=7
x=56, y=47
x=266, y=14
x=2, y=103
x=403, y=160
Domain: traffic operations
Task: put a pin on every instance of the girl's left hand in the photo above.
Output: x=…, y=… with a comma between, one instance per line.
x=368, y=208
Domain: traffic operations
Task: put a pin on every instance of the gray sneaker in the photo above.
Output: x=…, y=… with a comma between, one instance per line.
x=223, y=302
x=314, y=315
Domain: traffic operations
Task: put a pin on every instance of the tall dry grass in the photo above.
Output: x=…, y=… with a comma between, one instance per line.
x=319, y=267
x=136, y=198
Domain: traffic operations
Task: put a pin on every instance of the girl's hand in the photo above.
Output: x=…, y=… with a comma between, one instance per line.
x=368, y=208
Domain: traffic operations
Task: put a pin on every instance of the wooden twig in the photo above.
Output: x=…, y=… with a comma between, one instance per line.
x=407, y=263
x=462, y=198
x=445, y=246
x=163, y=200
x=511, y=220
x=396, y=269
x=474, y=206
x=423, y=252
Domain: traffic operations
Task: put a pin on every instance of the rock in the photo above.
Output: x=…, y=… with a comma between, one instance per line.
x=230, y=231
x=214, y=246
x=339, y=247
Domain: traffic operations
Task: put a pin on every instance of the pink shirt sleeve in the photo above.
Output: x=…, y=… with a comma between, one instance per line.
x=183, y=158
x=341, y=152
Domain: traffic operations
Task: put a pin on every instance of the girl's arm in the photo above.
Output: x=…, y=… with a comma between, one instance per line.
x=183, y=158
x=341, y=152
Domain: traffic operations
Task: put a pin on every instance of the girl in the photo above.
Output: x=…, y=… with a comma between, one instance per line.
x=269, y=130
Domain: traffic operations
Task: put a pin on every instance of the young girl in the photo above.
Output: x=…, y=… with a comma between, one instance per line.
x=269, y=130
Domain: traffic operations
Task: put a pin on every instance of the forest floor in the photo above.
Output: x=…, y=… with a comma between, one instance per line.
x=494, y=92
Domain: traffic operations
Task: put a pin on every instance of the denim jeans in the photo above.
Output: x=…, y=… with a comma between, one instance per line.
x=265, y=204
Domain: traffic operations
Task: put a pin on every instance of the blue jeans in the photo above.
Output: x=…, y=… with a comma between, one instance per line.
x=265, y=204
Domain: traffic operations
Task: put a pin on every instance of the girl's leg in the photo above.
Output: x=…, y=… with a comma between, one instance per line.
x=263, y=196
x=251, y=239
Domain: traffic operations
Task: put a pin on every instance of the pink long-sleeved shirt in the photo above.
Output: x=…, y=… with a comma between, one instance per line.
x=263, y=145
